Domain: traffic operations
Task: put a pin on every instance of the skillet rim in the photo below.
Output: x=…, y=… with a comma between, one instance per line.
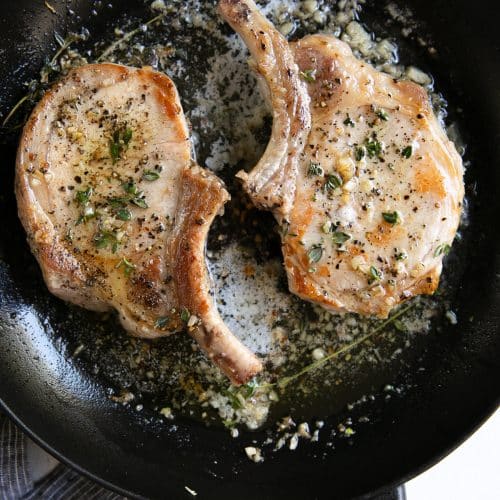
x=460, y=437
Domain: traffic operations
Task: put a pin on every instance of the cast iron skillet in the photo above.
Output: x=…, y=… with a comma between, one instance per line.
x=67, y=411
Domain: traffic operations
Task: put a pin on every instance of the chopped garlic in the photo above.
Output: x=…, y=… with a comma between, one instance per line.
x=254, y=454
x=193, y=320
x=346, y=167
x=417, y=270
x=358, y=262
x=418, y=76
x=303, y=430
x=318, y=354
x=167, y=412
x=366, y=185
x=286, y=29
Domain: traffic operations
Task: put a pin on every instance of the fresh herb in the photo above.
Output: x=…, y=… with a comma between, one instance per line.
x=150, y=175
x=248, y=389
x=382, y=114
x=401, y=256
x=315, y=253
x=373, y=147
x=123, y=214
x=332, y=182
x=127, y=36
x=359, y=153
x=130, y=188
x=36, y=88
x=88, y=214
x=228, y=423
x=323, y=361
x=135, y=197
x=407, y=152
x=340, y=238
x=119, y=142
x=104, y=239
x=314, y=169
x=374, y=274
x=443, y=249
x=233, y=399
x=161, y=323
x=309, y=75
x=118, y=202
x=348, y=121
x=128, y=267
x=127, y=136
x=238, y=395
x=83, y=197
x=391, y=217
x=115, y=150
x=185, y=315
x=139, y=202
x=399, y=325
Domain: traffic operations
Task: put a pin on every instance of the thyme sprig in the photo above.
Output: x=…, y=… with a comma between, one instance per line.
x=36, y=88
x=127, y=36
x=281, y=384
x=45, y=72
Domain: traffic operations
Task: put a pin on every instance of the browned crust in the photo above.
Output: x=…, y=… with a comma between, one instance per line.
x=202, y=198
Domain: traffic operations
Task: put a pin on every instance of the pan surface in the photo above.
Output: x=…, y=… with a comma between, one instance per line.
x=450, y=385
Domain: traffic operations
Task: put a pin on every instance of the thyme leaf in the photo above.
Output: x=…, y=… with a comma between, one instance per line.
x=83, y=197
x=315, y=253
x=382, y=114
x=443, y=249
x=104, y=239
x=185, y=315
x=391, y=217
x=128, y=266
x=407, y=152
x=119, y=142
x=359, y=153
x=308, y=75
x=374, y=274
x=348, y=121
x=373, y=147
x=123, y=214
x=340, y=238
x=332, y=182
x=150, y=175
x=161, y=323
x=314, y=169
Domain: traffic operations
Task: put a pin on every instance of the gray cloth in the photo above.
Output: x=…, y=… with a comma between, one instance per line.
x=16, y=481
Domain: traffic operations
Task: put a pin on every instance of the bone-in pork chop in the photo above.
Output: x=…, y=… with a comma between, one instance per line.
x=359, y=173
x=116, y=211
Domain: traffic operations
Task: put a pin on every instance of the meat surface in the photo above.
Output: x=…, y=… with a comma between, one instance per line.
x=117, y=212
x=360, y=175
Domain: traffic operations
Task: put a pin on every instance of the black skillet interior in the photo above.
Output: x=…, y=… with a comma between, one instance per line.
x=68, y=411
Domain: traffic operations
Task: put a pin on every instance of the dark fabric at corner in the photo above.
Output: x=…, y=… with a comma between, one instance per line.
x=15, y=475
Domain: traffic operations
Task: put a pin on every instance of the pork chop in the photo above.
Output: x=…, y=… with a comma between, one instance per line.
x=117, y=212
x=358, y=172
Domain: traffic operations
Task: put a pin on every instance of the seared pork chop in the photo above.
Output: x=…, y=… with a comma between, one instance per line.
x=359, y=173
x=116, y=211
